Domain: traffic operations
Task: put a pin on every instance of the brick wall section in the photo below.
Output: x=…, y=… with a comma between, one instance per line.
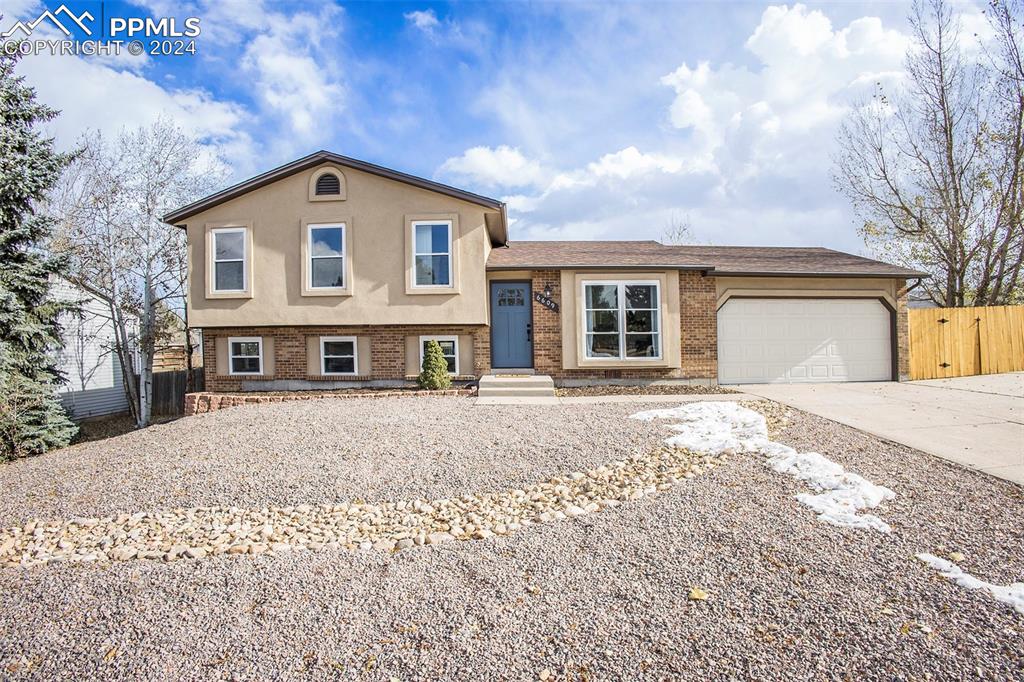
x=699, y=334
x=547, y=324
x=902, y=335
x=387, y=351
x=699, y=326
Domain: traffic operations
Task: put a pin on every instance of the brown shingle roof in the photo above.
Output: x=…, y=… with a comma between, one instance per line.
x=719, y=260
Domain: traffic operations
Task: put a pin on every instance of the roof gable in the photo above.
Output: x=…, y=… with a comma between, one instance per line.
x=321, y=157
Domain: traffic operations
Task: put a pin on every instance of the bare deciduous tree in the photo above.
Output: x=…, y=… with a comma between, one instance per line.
x=935, y=167
x=677, y=231
x=110, y=204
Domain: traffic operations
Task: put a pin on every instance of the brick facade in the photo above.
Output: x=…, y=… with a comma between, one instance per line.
x=699, y=334
x=387, y=352
x=902, y=336
x=698, y=321
x=698, y=343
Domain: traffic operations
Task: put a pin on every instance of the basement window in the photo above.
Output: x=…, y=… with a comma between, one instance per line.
x=338, y=355
x=449, y=348
x=245, y=355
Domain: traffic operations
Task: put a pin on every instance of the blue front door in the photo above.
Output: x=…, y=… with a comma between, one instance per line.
x=511, y=325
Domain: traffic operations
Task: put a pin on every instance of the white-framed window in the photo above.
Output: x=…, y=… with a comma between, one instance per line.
x=432, y=253
x=230, y=254
x=245, y=355
x=621, y=320
x=325, y=248
x=338, y=355
x=449, y=348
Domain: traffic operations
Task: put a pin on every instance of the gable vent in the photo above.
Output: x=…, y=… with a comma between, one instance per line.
x=328, y=183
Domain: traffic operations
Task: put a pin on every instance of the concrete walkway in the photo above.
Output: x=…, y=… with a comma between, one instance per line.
x=639, y=399
x=977, y=422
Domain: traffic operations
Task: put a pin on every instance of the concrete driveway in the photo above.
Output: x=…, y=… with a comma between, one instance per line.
x=974, y=421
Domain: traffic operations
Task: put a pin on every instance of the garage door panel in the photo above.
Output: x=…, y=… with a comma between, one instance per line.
x=810, y=340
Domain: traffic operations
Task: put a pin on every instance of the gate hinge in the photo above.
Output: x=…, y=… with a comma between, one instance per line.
x=943, y=320
x=944, y=365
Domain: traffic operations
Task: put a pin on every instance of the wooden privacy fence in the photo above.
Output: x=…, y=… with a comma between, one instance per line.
x=957, y=342
x=169, y=391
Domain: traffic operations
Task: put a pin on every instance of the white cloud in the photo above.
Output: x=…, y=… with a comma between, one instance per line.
x=425, y=21
x=743, y=150
x=500, y=167
x=92, y=95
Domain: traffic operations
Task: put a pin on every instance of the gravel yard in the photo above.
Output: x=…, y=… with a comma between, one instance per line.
x=604, y=596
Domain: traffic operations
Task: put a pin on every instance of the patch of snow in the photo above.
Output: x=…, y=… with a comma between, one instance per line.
x=728, y=427
x=1012, y=594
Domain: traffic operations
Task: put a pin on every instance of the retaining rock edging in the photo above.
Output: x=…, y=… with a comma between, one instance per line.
x=199, y=403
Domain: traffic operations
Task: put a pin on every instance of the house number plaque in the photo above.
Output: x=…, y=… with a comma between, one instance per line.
x=545, y=301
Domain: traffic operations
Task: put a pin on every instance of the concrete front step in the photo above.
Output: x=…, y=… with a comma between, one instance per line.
x=534, y=386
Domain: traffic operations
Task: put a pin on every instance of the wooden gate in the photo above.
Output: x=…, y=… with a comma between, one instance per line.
x=957, y=342
x=169, y=391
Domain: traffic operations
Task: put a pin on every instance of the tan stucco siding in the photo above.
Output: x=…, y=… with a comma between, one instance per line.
x=728, y=287
x=376, y=212
x=572, y=313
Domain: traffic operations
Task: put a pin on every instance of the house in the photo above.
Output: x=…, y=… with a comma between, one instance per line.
x=334, y=272
x=94, y=381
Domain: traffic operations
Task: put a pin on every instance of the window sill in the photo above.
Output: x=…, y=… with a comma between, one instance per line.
x=213, y=295
x=338, y=377
x=327, y=292
x=434, y=291
x=247, y=377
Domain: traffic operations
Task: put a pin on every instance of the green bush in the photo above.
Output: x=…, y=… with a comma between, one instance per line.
x=434, y=373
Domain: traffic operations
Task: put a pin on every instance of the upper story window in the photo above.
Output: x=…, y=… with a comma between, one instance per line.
x=432, y=253
x=230, y=254
x=326, y=248
x=328, y=184
x=621, y=320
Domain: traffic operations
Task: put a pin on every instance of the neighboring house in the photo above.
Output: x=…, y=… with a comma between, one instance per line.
x=94, y=382
x=333, y=272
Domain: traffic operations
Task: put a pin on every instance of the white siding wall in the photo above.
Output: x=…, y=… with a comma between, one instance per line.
x=95, y=385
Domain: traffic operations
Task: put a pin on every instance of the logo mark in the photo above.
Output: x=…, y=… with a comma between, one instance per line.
x=52, y=17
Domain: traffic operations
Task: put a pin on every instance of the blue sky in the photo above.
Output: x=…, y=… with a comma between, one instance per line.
x=592, y=120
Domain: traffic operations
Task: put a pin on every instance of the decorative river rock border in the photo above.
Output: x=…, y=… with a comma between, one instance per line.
x=389, y=526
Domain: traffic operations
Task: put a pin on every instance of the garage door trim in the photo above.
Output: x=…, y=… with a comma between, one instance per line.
x=894, y=344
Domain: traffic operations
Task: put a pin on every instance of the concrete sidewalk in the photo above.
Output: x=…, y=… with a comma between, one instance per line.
x=638, y=399
x=977, y=422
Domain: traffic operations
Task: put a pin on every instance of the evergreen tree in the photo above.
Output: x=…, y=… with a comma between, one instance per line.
x=434, y=375
x=32, y=420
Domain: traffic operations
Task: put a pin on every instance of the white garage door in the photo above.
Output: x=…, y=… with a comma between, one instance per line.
x=765, y=340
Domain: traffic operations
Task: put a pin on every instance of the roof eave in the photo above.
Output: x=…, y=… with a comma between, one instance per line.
x=820, y=273
x=591, y=266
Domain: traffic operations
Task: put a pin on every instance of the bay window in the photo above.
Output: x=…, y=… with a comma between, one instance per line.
x=622, y=320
